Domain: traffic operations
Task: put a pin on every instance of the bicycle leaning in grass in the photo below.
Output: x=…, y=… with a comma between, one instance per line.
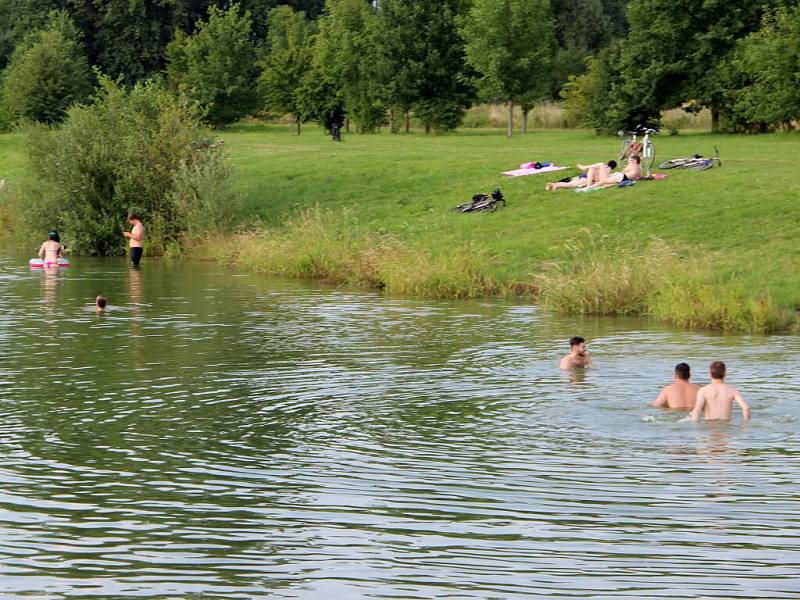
x=696, y=162
x=632, y=145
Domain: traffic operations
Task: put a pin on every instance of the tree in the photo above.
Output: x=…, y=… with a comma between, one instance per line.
x=345, y=63
x=21, y=17
x=583, y=28
x=48, y=72
x=288, y=59
x=215, y=67
x=677, y=52
x=422, y=63
x=511, y=44
x=770, y=60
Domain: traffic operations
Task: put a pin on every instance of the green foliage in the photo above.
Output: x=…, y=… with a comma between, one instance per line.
x=590, y=100
x=345, y=66
x=21, y=17
x=770, y=59
x=215, y=67
x=438, y=79
x=511, y=45
x=48, y=72
x=130, y=150
x=287, y=61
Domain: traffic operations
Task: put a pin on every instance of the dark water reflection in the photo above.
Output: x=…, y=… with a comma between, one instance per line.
x=221, y=435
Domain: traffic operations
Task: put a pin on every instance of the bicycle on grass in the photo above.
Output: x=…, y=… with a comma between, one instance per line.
x=483, y=202
x=696, y=162
x=631, y=145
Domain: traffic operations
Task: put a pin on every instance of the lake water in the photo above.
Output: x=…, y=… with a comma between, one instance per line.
x=222, y=435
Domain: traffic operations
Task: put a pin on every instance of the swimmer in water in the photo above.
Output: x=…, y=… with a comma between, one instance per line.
x=717, y=397
x=577, y=357
x=680, y=395
x=51, y=250
x=100, y=304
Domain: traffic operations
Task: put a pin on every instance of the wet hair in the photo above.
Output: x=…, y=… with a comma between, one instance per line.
x=574, y=341
x=717, y=369
x=682, y=370
x=133, y=216
x=101, y=301
x=612, y=164
x=637, y=159
x=53, y=235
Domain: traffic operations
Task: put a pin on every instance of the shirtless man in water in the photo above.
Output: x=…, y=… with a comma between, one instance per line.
x=631, y=172
x=135, y=238
x=577, y=357
x=680, y=395
x=718, y=397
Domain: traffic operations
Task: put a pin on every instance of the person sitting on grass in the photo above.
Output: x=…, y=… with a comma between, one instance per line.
x=631, y=172
x=590, y=174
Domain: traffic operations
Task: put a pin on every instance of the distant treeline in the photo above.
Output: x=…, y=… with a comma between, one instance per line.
x=615, y=63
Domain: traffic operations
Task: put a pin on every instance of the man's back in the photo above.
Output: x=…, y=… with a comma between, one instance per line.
x=680, y=396
x=717, y=399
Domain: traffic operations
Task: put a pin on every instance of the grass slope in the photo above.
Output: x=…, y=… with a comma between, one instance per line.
x=743, y=216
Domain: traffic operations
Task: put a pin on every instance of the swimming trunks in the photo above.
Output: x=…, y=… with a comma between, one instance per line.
x=136, y=256
x=624, y=178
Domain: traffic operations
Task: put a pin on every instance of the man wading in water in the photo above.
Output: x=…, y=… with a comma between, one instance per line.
x=680, y=395
x=577, y=357
x=718, y=397
x=136, y=238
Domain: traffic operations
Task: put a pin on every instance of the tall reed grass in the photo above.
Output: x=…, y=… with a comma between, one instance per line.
x=334, y=247
x=611, y=277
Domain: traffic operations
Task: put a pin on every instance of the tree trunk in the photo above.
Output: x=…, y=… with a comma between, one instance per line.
x=408, y=122
x=296, y=120
x=392, y=124
x=347, y=125
x=510, y=119
x=525, y=120
x=427, y=128
x=714, y=120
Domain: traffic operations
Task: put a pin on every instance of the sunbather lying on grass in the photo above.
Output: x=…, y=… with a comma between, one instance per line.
x=591, y=174
x=631, y=172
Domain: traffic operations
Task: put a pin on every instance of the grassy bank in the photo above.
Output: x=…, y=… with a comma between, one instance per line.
x=713, y=249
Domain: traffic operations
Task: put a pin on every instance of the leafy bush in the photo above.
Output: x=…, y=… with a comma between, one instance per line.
x=130, y=150
x=48, y=72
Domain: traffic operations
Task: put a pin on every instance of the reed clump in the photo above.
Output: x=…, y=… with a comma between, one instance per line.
x=614, y=277
x=334, y=247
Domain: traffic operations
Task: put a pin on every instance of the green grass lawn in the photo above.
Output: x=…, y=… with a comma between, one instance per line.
x=741, y=218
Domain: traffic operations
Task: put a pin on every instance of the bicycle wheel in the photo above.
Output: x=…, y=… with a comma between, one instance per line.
x=624, y=151
x=648, y=157
x=674, y=163
x=702, y=165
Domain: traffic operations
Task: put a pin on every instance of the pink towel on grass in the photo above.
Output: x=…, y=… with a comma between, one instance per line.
x=521, y=172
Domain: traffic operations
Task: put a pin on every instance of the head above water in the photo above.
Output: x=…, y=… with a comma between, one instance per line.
x=682, y=371
x=612, y=164
x=576, y=341
x=100, y=302
x=53, y=235
x=717, y=370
